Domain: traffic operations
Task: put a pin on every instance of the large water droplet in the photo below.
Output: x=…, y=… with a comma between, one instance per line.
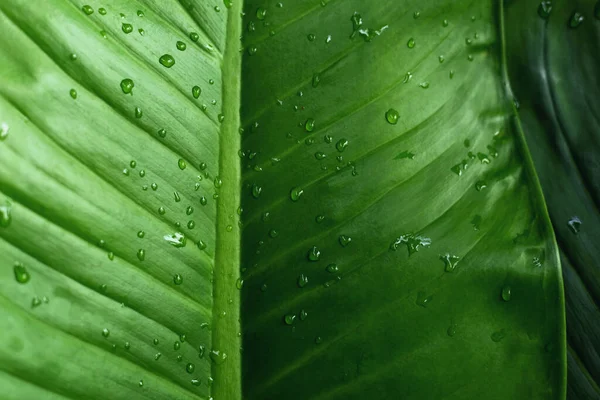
x=127, y=28
x=87, y=9
x=218, y=357
x=127, y=85
x=412, y=242
x=309, y=125
x=574, y=224
x=392, y=116
x=21, y=273
x=450, y=262
x=177, y=239
x=314, y=254
x=167, y=60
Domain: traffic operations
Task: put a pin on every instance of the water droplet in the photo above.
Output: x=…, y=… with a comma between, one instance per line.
x=141, y=254
x=73, y=93
x=176, y=197
x=87, y=9
x=273, y=233
x=141, y=234
x=239, y=283
x=177, y=239
x=416, y=14
x=105, y=332
x=318, y=340
x=544, y=9
x=332, y=268
x=309, y=125
x=154, y=186
x=141, y=383
x=5, y=215
x=190, y=368
x=311, y=37
x=102, y=11
x=177, y=279
x=316, y=79
x=410, y=43
x=142, y=173
x=450, y=262
x=217, y=182
x=412, y=242
x=392, y=116
x=445, y=23
x=480, y=185
x=314, y=254
x=506, y=293
x=405, y=155
x=289, y=319
x=181, y=46
x=195, y=382
x=424, y=85
x=302, y=281
x=167, y=60
x=4, y=131
x=138, y=112
x=574, y=224
x=576, y=20
x=127, y=28
x=483, y=158
x=261, y=13
x=423, y=299
x=127, y=85
x=155, y=341
x=191, y=224
x=341, y=144
x=295, y=193
x=181, y=164
x=21, y=273
x=344, y=240
x=319, y=155
x=441, y=59
x=218, y=357
x=319, y=219
x=35, y=302
x=451, y=331
x=196, y=91
x=498, y=335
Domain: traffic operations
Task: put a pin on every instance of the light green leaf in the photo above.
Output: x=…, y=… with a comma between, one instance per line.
x=377, y=229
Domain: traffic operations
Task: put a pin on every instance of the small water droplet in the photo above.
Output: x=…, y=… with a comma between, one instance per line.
x=177, y=279
x=218, y=357
x=302, y=281
x=451, y=331
x=412, y=242
x=423, y=299
x=167, y=60
x=314, y=254
x=574, y=224
x=21, y=273
x=87, y=9
x=318, y=340
x=341, y=144
x=319, y=155
x=177, y=239
x=105, y=332
x=480, y=185
x=141, y=254
x=405, y=155
x=295, y=193
x=576, y=20
x=392, y=116
x=73, y=93
x=5, y=215
x=344, y=240
x=127, y=28
x=289, y=319
x=309, y=125
x=138, y=112
x=544, y=9
x=102, y=11
x=450, y=262
x=411, y=43
x=506, y=293
x=181, y=46
x=4, y=128
x=127, y=85
x=316, y=79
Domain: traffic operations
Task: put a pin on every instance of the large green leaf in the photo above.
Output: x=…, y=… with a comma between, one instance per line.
x=382, y=258
x=554, y=65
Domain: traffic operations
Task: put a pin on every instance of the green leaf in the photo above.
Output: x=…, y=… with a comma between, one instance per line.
x=384, y=231
x=555, y=72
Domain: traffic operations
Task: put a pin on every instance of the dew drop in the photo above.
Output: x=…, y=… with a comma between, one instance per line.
x=102, y=11
x=392, y=116
x=4, y=128
x=190, y=368
x=261, y=13
x=411, y=43
x=450, y=262
x=138, y=112
x=5, y=215
x=332, y=268
x=73, y=93
x=576, y=20
x=289, y=319
x=341, y=145
x=314, y=254
x=218, y=357
x=167, y=60
x=21, y=273
x=295, y=193
x=181, y=46
x=544, y=9
x=423, y=299
x=344, y=240
x=127, y=85
x=574, y=224
x=196, y=91
x=177, y=279
x=506, y=293
x=105, y=332
x=127, y=28
x=87, y=9
x=309, y=125
x=302, y=281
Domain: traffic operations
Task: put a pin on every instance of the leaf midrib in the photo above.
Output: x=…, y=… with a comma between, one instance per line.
x=226, y=300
